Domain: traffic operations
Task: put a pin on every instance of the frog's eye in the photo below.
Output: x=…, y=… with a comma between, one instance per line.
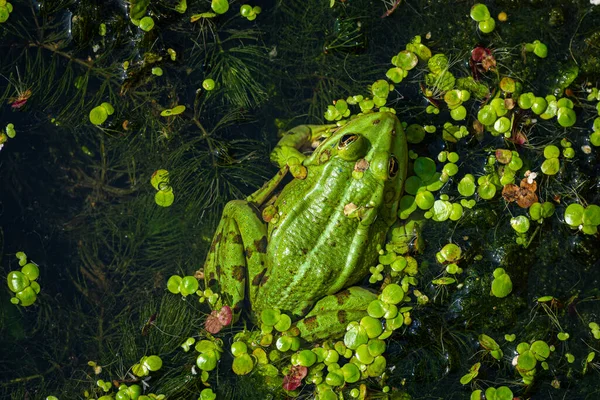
x=347, y=140
x=352, y=146
x=393, y=166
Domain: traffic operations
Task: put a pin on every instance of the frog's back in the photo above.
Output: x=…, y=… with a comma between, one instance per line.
x=318, y=246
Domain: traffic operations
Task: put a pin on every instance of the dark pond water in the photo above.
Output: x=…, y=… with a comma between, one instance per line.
x=93, y=92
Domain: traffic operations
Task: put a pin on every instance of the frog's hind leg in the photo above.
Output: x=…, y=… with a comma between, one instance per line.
x=236, y=254
x=330, y=315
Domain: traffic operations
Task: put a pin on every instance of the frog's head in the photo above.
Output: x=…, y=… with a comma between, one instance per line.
x=373, y=147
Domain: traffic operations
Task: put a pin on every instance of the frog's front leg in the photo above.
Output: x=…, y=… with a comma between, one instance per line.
x=291, y=147
x=330, y=315
x=236, y=259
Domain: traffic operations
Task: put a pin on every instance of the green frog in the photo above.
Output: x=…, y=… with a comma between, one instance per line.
x=302, y=249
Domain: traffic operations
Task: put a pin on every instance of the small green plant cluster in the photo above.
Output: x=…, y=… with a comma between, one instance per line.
x=164, y=196
x=583, y=218
x=209, y=353
x=450, y=256
x=10, y=133
x=5, y=9
x=23, y=283
x=419, y=190
x=594, y=94
x=502, y=284
x=249, y=12
x=99, y=114
x=538, y=48
x=480, y=14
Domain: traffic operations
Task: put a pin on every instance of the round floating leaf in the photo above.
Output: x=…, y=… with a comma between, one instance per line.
x=376, y=309
x=540, y=350
x=502, y=124
x=207, y=394
x=306, y=358
x=451, y=252
x=487, y=26
x=526, y=361
x=351, y=373
x=32, y=271
x=207, y=361
x=551, y=166
x=164, y=198
x=466, y=186
x=108, y=107
x=566, y=117
x=424, y=168
x=4, y=14
x=479, y=12
x=396, y=74
x=98, y=115
x=487, y=115
x=363, y=355
x=270, y=316
x=173, y=284
x=540, y=49
x=17, y=281
x=208, y=84
x=539, y=105
x=380, y=88
x=284, y=323
x=551, y=151
x=27, y=296
x=425, y=200
x=333, y=378
x=157, y=71
x=153, y=363
x=591, y=216
x=219, y=6
x=486, y=190
x=392, y=294
x=146, y=24
x=189, y=285
x=459, y=113
x=415, y=133
x=376, y=347
x=501, y=286
x=520, y=224
x=406, y=60
x=574, y=214
x=159, y=178
x=243, y=364
x=526, y=100
x=372, y=327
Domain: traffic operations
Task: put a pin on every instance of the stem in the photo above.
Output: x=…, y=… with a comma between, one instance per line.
x=87, y=64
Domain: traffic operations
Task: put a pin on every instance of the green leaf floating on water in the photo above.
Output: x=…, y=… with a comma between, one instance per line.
x=219, y=6
x=172, y=111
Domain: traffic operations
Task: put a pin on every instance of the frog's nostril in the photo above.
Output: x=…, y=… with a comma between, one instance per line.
x=393, y=166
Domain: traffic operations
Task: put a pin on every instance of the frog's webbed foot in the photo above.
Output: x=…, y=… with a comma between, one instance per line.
x=291, y=149
x=330, y=315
